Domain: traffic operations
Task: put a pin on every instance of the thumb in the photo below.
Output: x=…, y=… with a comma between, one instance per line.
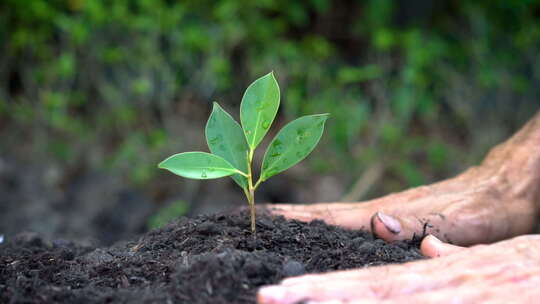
x=433, y=247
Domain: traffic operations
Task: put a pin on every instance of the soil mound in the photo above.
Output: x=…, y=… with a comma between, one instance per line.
x=208, y=259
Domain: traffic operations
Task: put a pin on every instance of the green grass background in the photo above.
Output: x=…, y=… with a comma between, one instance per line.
x=417, y=90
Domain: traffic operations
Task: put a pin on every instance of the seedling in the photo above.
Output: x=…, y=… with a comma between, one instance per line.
x=232, y=145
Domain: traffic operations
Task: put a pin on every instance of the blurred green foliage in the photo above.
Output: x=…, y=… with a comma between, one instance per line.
x=424, y=87
x=167, y=214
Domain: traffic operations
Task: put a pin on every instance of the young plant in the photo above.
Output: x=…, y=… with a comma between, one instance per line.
x=232, y=145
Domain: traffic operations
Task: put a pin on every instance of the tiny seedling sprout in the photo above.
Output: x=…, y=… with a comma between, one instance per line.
x=232, y=146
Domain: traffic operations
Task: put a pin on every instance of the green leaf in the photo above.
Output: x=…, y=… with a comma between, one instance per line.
x=225, y=138
x=198, y=165
x=258, y=108
x=292, y=144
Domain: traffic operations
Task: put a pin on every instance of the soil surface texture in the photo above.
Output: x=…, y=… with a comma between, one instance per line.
x=208, y=259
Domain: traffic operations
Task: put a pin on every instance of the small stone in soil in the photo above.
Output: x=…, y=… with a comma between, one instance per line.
x=293, y=268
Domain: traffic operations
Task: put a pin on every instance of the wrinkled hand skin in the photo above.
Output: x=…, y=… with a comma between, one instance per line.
x=505, y=272
x=493, y=201
x=497, y=200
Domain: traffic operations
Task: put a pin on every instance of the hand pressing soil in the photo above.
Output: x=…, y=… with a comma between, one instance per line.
x=497, y=200
x=505, y=272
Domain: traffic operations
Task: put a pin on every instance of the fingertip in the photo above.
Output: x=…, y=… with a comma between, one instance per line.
x=276, y=209
x=433, y=247
x=385, y=226
x=270, y=295
x=280, y=208
x=430, y=246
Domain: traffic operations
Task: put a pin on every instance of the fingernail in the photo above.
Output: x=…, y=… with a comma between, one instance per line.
x=389, y=222
x=434, y=238
x=272, y=293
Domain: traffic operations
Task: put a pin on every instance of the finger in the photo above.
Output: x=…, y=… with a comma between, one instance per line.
x=392, y=272
x=397, y=228
x=347, y=215
x=283, y=207
x=504, y=264
x=386, y=227
x=314, y=208
x=304, y=216
x=304, y=213
x=433, y=247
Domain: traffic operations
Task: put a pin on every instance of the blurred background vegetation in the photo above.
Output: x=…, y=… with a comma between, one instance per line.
x=103, y=90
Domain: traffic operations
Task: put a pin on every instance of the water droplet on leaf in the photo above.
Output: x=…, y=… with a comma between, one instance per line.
x=261, y=106
x=276, y=145
x=215, y=140
x=203, y=174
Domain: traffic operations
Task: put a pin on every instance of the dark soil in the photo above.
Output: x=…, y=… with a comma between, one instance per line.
x=209, y=259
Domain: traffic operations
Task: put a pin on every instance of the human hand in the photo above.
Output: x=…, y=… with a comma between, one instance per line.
x=504, y=272
x=494, y=201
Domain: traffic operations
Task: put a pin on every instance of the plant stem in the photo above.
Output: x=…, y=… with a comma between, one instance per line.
x=257, y=184
x=252, y=209
x=250, y=193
